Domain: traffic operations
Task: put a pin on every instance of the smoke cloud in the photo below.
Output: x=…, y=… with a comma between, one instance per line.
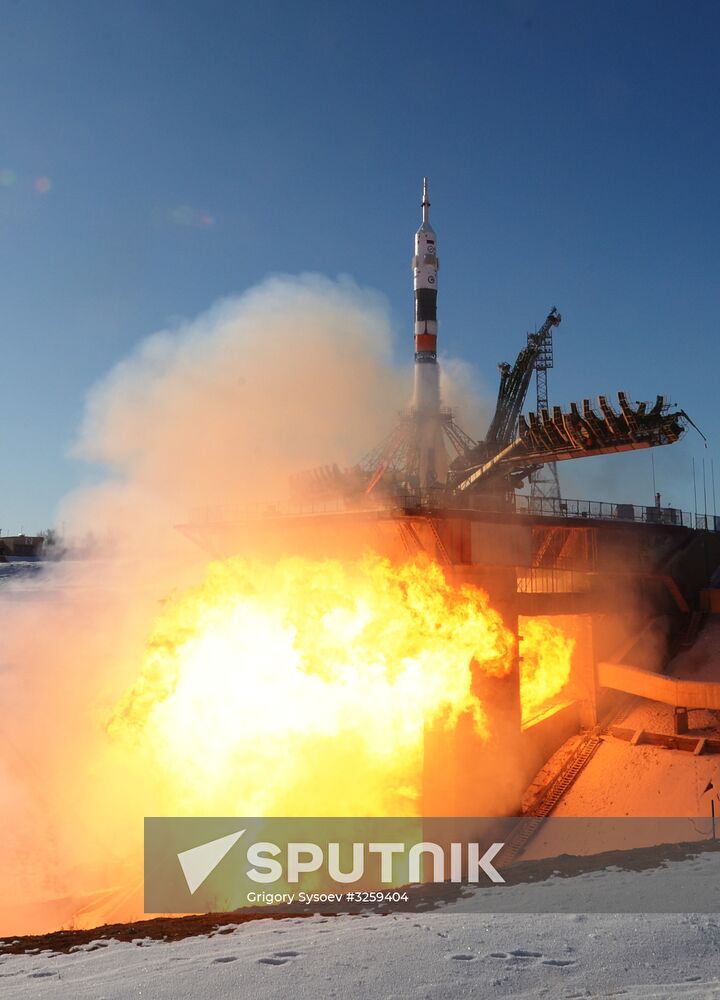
x=295, y=373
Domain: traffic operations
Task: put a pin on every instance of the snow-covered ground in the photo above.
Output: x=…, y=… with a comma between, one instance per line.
x=434, y=956
x=625, y=780
x=20, y=572
x=447, y=953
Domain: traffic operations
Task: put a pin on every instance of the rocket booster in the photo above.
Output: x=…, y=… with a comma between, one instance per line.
x=432, y=460
x=425, y=266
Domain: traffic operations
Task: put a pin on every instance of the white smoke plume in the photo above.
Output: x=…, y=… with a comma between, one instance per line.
x=221, y=409
x=294, y=373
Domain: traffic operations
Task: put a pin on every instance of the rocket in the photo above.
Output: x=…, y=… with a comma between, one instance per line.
x=425, y=266
x=431, y=461
x=416, y=451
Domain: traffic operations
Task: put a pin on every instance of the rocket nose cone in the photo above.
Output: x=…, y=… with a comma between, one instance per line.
x=425, y=204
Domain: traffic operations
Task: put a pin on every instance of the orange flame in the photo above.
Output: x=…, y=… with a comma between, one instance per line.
x=304, y=686
x=545, y=663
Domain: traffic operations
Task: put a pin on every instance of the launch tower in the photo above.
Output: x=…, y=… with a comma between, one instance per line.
x=427, y=457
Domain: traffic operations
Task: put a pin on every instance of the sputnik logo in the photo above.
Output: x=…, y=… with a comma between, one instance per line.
x=200, y=862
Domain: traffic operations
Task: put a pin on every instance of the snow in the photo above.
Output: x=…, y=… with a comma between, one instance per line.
x=434, y=956
x=625, y=780
x=643, y=780
x=442, y=954
x=20, y=572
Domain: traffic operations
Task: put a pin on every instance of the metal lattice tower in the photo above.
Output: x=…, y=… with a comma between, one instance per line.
x=545, y=482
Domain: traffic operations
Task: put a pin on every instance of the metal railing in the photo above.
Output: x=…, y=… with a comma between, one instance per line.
x=551, y=580
x=435, y=500
x=600, y=510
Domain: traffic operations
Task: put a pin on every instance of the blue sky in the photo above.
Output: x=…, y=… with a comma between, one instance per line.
x=157, y=156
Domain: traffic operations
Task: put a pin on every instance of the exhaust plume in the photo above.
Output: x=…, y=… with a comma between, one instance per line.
x=294, y=373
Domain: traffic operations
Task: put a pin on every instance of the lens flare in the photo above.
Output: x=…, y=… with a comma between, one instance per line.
x=193, y=218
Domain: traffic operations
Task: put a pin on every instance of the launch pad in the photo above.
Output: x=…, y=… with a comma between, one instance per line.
x=428, y=455
x=629, y=582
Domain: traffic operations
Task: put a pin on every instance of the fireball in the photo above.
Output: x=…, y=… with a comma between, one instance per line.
x=304, y=687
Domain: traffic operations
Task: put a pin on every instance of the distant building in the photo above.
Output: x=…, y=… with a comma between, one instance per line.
x=21, y=548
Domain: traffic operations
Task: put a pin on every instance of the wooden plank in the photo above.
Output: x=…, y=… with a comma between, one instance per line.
x=700, y=747
x=637, y=737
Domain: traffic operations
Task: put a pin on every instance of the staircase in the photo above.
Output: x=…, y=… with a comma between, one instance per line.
x=530, y=824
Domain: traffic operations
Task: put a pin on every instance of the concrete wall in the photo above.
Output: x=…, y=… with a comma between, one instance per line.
x=539, y=742
x=658, y=687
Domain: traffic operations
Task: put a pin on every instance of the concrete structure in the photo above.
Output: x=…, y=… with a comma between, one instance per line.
x=629, y=589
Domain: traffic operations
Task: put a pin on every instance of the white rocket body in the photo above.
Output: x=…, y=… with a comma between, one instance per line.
x=432, y=455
